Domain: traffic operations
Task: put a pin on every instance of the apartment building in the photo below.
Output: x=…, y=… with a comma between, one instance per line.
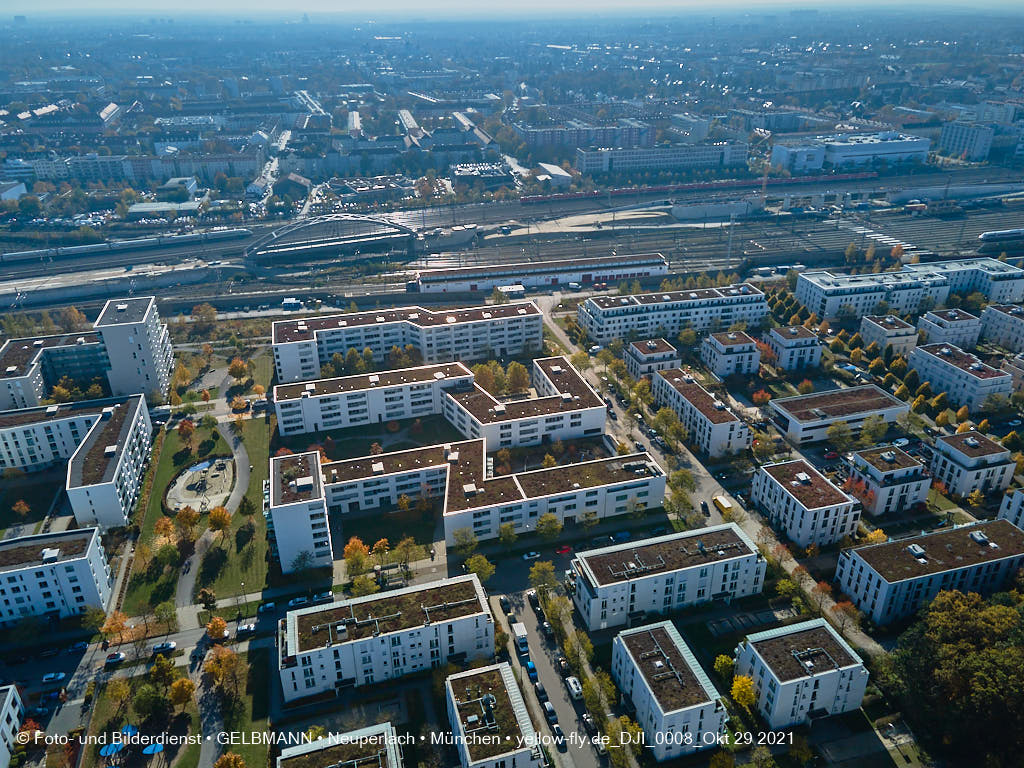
x=950, y=326
x=729, y=353
x=12, y=713
x=30, y=367
x=888, y=331
x=490, y=721
x=961, y=375
x=801, y=502
x=802, y=672
x=795, y=347
x=623, y=583
x=970, y=461
x=649, y=315
x=971, y=141
x=643, y=358
x=892, y=580
x=712, y=428
x=619, y=159
x=53, y=574
x=887, y=479
x=138, y=347
x=806, y=418
x=826, y=293
x=1003, y=325
x=104, y=442
x=378, y=745
x=368, y=640
x=676, y=704
x=298, y=512
x=301, y=346
x=368, y=398
x=566, y=408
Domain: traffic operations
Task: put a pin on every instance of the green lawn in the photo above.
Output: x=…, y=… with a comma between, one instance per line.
x=263, y=370
x=250, y=714
x=37, y=489
x=392, y=526
x=354, y=442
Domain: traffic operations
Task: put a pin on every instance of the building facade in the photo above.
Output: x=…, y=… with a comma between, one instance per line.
x=620, y=159
x=12, y=713
x=138, y=347
x=802, y=672
x=801, y=503
x=961, y=375
x=378, y=745
x=950, y=326
x=892, y=580
x=806, y=418
x=367, y=640
x=888, y=331
x=30, y=367
x=730, y=353
x=970, y=141
x=887, y=479
x=970, y=461
x=1012, y=508
x=677, y=705
x=624, y=583
x=795, y=347
x=643, y=358
x=712, y=428
x=1003, y=325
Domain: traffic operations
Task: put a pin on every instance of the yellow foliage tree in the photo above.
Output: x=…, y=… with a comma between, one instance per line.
x=743, y=692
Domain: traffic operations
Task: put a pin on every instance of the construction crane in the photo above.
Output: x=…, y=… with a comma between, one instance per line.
x=764, y=135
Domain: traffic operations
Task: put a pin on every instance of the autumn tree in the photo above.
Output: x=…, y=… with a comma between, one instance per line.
x=542, y=576
x=548, y=526
x=187, y=518
x=72, y=319
x=356, y=555
x=877, y=536
x=21, y=508
x=465, y=541
x=219, y=520
x=743, y=692
x=216, y=628
x=481, y=566
x=518, y=377
x=364, y=585
x=724, y=666
x=186, y=428
x=116, y=624
x=181, y=692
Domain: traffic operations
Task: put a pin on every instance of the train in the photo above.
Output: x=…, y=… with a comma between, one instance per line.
x=160, y=241
x=696, y=187
x=1001, y=235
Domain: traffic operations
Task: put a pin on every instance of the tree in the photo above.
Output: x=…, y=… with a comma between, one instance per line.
x=976, y=498
x=724, y=666
x=846, y=613
x=722, y=759
x=181, y=693
x=743, y=692
x=118, y=690
x=186, y=428
x=466, y=541
x=219, y=520
x=542, y=576
x=116, y=624
x=840, y=436
x=507, y=535
x=805, y=387
x=187, y=519
x=238, y=369
x=21, y=508
x=761, y=757
x=549, y=461
x=167, y=615
x=364, y=585
x=215, y=628
x=942, y=419
x=93, y=618
x=821, y=592
x=204, y=316
x=984, y=427
x=207, y=598
x=381, y=547
x=919, y=405
x=162, y=673
x=481, y=566
x=873, y=430
x=786, y=588
x=72, y=319
x=356, y=555
x=877, y=536
x=548, y=526
x=230, y=760
x=518, y=377
x=902, y=392
x=965, y=427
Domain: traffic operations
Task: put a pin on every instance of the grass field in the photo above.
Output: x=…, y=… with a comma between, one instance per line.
x=250, y=715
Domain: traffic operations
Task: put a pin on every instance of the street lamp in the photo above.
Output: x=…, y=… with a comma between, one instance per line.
x=238, y=610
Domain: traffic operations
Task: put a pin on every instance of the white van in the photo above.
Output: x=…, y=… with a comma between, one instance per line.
x=575, y=689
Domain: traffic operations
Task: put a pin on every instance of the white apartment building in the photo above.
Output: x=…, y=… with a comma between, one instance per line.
x=677, y=705
x=53, y=574
x=971, y=141
x=888, y=331
x=798, y=157
x=490, y=721
x=802, y=672
x=801, y=502
x=795, y=347
x=730, y=353
x=961, y=375
x=806, y=418
x=302, y=345
x=138, y=346
x=368, y=640
x=298, y=512
x=623, y=583
x=950, y=326
x=643, y=358
x=712, y=428
x=891, y=147
x=30, y=367
x=104, y=442
x=970, y=461
x=888, y=479
x=378, y=745
x=1012, y=508
x=566, y=408
x=892, y=580
x=367, y=398
x=618, y=159
x=1003, y=325
x=825, y=293
x=12, y=713
x=650, y=315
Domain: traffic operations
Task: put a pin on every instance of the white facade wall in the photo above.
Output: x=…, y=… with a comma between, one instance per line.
x=650, y=315
x=739, y=355
x=1003, y=325
x=675, y=732
x=140, y=353
x=32, y=446
x=1012, y=508
x=963, y=385
x=788, y=703
x=889, y=147
x=12, y=713
x=892, y=490
x=641, y=363
x=387, y=656
x=64, y=587
x=962, y=473
x=738, y=573
x=712, y=428
x=809, y=430
x=25, y=391
x=968, y=140
x=954, y=326
x=794, y=351
x=798, y=158
x=380, y=739
x=901, y=336
x=822, y=525
x=302, y=529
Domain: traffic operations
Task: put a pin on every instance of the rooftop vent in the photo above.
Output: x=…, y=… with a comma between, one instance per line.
x=440, y=375
x=733, y=337
x=972, y=442
x=652, y=345
x=979, y=537
x=469, y=489
x=453, y=457
x=803, y=478
x=108, y=412
x=414, y=316
x=304, y=483
x=110, y=450
x=487, y=315
x=556, y=369
x=311, y=387
x=380, y=318
x=51, y=409
x=793, y=331
x=499, y=408
x=450, y=319
x=12, y=368
x=889, y=456
x=377, y=467
x=50, y=554
x=719, y=405
x=122, y=307
x=916, y=550
x=37, y=343
x=946, y=351
x=374, y=379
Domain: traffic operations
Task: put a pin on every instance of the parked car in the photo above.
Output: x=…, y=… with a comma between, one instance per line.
x=556, y=730
x=296, y=602
x=831, y=455
x=46, y=652
x=704, y=508
x=80, y=647
x=534, y=601
x=588, y=723
x=53, y=677
x=661, y=530
x=531, y=671
x=531, y=555
x=565, y=549
x=245, y=629
x=542, y=694
x=547, y=629
x=639, y=446
x=323, y=597
x=562, y=665
x=622, y=536
x=549, y=712
x=613, y=416
x=901, y=442
x=572, y=684
x=113, y=659
x=165, y=647
x=505, y=603
x=265, y=607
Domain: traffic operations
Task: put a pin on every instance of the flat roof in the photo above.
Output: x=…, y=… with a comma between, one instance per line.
x=665, y=554
x=933, y=271
x=493, y=717
x=732, y=338
x=668, y=666
x=18, y=354
x=376, y=745
x=91, y=463
x=952, y=315
x=382, y=380
x=803, y=650
x=27, y=551
x=21, y=417
x=716, y=411
x=120, y=311
x=381, y=614
x=1014, y=310
x=890, y=323
x=289, y=473
x=888, y=458
x=965, y=361
x=652, y=347
x=805, y=484
x=554, y=265
x=789, y=332
x=838, y=403
x=973, y=444
x=667, y=297
x=943, y=551
x=303, y=329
